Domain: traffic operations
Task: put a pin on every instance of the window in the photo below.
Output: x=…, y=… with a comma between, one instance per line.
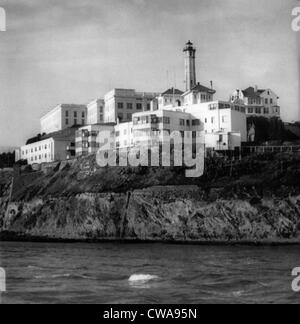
x=75, y=122
x=139, y=106
x=83, y=115
x=75, y=114
x=148, y=106
x=167, y=120
x=224, y=119
x=271, y=101
x=101, y=110
x=205, y=120
x=82, y=121
x=120, y=105
x=129, y=116
x=196, y=122
x=129, y=106
x=187, y=123
x=125, y=132
x=120, y=116
x=101, y=118
x=266, y=111
x=266, y=101
x=182, y=122
x=67, y=113
x=117, y=133
x=257, y=110
x=67, y=121
x=212, y=120
x=250, y=110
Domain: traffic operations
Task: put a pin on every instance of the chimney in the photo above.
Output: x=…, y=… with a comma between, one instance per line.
x=256, y=88
x=211, y=85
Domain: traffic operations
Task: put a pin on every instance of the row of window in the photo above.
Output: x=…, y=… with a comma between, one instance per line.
x=206, y=97
x=75, y=114
x=75, y=122
x=151, y=119
x=153, y=133
x=258, y=110
x=39, y=157
x=260, y=101
x=125, y=132
x=183, y=122
x=129, y=106
x=213, y=119
x=36, y=149
x=226, y=106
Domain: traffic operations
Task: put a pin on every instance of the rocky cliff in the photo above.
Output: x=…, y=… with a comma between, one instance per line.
x=45, y=206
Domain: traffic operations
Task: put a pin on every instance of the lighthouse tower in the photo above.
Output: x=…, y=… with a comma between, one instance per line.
x=190, y=66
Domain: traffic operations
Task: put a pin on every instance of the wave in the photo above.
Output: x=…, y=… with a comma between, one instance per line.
x=142, y=278
x=35, y=268
x=56, y=276
x=65, y=275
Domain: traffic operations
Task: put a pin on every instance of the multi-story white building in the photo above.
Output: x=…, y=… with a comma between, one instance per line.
x=121, y=104
x=225, y=124
x=63, y=116
x=87, y=142
x=58, y=146
x=150, y=127
x=258, y=102
x=95, y=112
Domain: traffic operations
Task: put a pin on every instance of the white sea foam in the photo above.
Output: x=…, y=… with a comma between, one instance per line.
x=142, y=278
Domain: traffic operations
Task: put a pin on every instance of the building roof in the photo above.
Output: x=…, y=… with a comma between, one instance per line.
x=200, y=88
x=63, y=134
x=251, y=93
x=172, y=91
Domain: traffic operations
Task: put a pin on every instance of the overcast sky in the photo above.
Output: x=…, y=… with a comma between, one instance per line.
x=72, y=51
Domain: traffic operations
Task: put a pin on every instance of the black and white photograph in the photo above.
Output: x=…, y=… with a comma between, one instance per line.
x=149, y=155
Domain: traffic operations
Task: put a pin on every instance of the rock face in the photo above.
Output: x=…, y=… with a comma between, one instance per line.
x=254, y=200
x=154, y=214
x=5, y=191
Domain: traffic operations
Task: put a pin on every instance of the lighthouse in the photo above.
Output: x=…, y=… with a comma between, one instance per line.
x=190, y=65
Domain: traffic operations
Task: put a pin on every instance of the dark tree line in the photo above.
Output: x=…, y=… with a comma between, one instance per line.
x=269, y=129
x=7, y=160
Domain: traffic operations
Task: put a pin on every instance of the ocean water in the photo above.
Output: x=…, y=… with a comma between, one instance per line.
x=115, y=273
